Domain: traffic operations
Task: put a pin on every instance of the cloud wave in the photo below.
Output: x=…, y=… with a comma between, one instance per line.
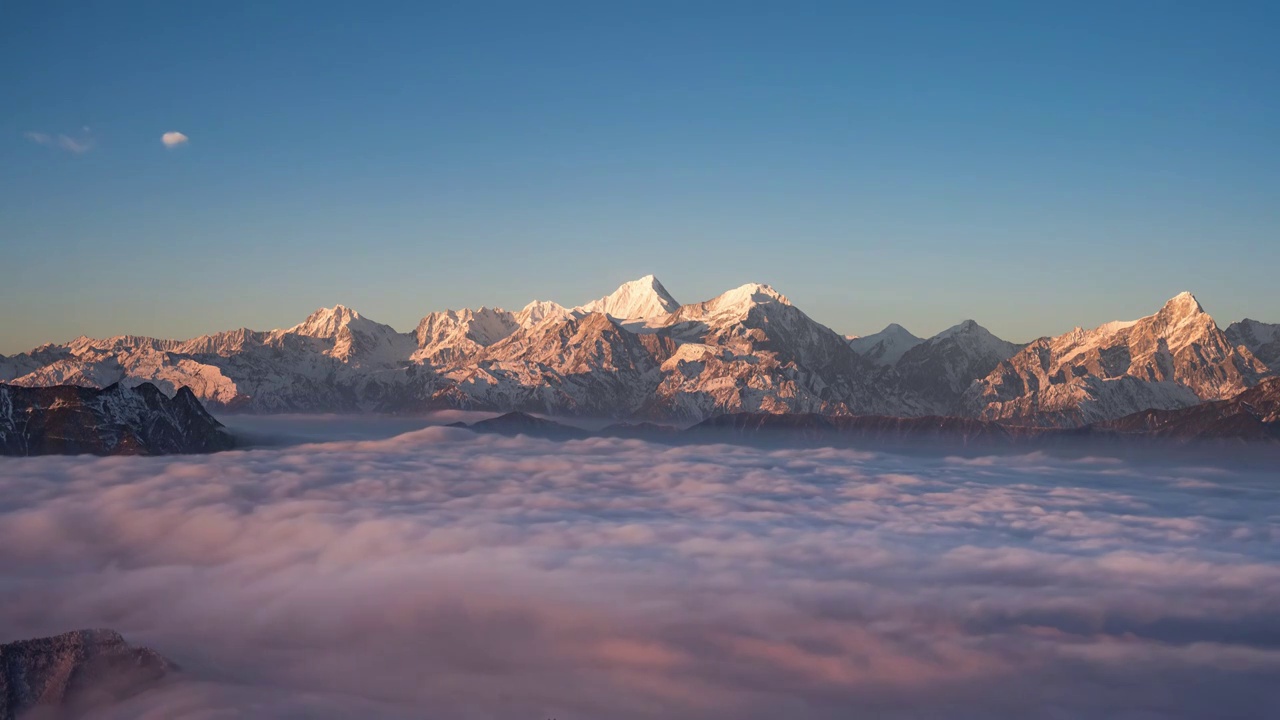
x=445, y=574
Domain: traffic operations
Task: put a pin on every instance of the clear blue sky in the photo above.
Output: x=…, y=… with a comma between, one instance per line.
x=1031, y=165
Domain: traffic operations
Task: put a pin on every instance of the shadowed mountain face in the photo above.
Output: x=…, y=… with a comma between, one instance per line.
x=70, y=675
x=116, y=420
x=1261, y=339
x=940, y=369
x=1252, y=415
x=885, y=347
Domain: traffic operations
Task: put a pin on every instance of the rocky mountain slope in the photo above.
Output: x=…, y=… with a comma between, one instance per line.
x=1261, y=339
x=639, y=354
x=455, y=335
x=588, y=365
x=939, y=370
x=751, y=350
x=72, y=674
x=1254, y=414
x=1175, y=358
x=117, y=420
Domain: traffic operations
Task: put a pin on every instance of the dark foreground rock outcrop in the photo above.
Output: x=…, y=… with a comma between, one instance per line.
x=70, y=675
x=116, y=420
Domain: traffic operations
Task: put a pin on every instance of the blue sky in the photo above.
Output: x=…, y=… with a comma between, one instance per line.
x=1032, y=166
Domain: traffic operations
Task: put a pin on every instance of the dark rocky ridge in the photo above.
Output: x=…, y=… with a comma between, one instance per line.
x=1252, y=416
x=519, y=423
x=69, y=675
x=116, y=420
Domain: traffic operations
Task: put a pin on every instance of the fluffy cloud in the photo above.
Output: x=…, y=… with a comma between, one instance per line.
x=442, y=574
x=76, y=145
x=173, y=139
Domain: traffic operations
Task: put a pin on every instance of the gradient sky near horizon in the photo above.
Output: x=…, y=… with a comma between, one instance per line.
x=1033, y=166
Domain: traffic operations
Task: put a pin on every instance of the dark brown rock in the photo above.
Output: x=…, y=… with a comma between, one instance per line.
x=116, y=420
x=70, y=674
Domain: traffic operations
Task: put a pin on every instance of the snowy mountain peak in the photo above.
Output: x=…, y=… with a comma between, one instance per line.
x=482, y=325
x=753, y=294
x=886, y=346
x=1173, y=358
x=975, y=339
x=540, y=310
x=326, y=322
x=731, y=306
x=635, y=300
x=1182, y=305
x=452, y=335
x=941, y=368
x=540, y=306
x=968, y=327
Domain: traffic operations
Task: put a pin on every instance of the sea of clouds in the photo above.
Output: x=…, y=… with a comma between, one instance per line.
x=443, y=574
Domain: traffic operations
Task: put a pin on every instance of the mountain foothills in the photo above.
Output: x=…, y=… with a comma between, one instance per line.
x=639, y=354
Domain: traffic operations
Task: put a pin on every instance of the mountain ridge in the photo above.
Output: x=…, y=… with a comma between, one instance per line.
x=1253, y=416
x=637, y=354
x=1174, y=358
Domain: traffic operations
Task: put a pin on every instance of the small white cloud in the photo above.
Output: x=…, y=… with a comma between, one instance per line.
x=77, y=145
x=173, y=139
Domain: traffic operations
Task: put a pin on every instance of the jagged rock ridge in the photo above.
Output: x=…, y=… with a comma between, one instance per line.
x=1175, y=358
x=116, y=420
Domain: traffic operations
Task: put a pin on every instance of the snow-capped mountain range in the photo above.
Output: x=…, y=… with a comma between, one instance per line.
x=638, y=353
x=1172, y=359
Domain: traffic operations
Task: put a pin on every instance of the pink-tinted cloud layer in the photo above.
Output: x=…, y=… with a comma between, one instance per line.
x=442, y=574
